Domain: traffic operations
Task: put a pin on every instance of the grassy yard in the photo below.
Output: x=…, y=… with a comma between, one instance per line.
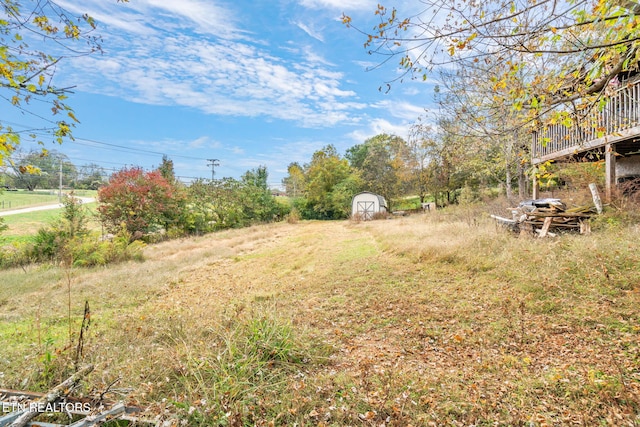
x=10, y=200
x=24, y=225
x=22, y=198
x=433, y=319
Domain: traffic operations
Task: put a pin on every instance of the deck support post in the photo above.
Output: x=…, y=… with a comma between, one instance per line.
x=610, y=171
x=536, y=187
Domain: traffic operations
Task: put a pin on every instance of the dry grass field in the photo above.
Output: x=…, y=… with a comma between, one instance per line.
x=436, y=319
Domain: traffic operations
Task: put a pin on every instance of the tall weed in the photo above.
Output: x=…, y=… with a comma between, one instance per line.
x=255, y=357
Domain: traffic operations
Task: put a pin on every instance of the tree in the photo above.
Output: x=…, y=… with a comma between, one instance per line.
x=330, y=185
x=495, y=150
x=90, y=177
x=357, y=155
x=517, y=66
x=42, y=169
x=143, y=201
x=166, y=169
x=27, y=73
x=229, y=203
x=381, y=164
x=258, y=203
x=450, y=164
x=294, y=183
x=213, y=205
x=582, y=45
x=55, y=241
x=417, y=158
x=342, y=195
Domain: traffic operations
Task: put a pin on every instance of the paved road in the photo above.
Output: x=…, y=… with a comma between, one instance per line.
x=26, y=209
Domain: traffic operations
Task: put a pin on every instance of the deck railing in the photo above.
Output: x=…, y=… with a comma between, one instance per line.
x=621, y=112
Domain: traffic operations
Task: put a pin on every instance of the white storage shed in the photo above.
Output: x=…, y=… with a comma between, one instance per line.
x=366, y=205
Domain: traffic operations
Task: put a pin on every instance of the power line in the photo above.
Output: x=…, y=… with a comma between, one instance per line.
x=134, y=149
x=123, y=149
x=98, y=163
x=51, y=171
x=107, y=144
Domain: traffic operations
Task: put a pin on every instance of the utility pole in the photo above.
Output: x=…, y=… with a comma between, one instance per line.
x=60, y=189
x=213, y=163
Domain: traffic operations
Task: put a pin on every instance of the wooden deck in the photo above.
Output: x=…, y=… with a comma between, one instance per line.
x=617, y=122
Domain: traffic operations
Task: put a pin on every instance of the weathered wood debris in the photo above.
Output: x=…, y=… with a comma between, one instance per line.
x=20, y=408
x=546, y=217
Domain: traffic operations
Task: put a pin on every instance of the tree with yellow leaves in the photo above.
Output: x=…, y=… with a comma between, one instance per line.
x=27, y=72
x=554, y=52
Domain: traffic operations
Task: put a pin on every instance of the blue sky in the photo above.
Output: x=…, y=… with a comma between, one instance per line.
x=249, y=83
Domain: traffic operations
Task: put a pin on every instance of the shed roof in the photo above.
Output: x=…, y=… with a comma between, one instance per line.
x=381, y=200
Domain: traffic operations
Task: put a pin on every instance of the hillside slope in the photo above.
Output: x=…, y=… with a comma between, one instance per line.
x=421, y=320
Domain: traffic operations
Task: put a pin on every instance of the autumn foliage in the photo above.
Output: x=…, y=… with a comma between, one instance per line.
x=141, y=201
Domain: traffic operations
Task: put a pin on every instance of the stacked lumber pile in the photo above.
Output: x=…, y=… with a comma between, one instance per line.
x=20, y=408
x=547, y=216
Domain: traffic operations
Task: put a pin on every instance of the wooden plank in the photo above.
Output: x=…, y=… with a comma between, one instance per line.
x=503, y=220
x=585, y=227
x=610, y=171
x=54, y=394
x=596, y=197
x=550, y=234
x=113, y=412
x=545, y=227
x=553, y=225
x=19, y=400
x=560, y=214
x=9, y=418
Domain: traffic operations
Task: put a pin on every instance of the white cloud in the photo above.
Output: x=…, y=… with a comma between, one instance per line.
x=200, y=142
x=195, y=54
x=384, y=126
x=312, y=57
x=145, y=63
x=207, y=15
x=310, y=31
x=121, y=17
x=402, y=110
x=367, y=65
x=379, y=126
x=230, y=78
x=147, y=17
x=340, y=5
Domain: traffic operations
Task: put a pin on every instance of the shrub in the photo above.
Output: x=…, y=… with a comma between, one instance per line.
x=47, y=244
x=18, y=254
x=67, y=239
x=229, y=203
x=92, y=252
x=143, y=201
x=294, y=216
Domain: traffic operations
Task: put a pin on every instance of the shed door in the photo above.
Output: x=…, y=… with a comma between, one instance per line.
x=366, y=209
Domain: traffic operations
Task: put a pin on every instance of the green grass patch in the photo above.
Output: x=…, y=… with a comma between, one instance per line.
x=356, y=249
x=27, y=224
x=22, y=198
x=10, y=200
x=407, y=203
